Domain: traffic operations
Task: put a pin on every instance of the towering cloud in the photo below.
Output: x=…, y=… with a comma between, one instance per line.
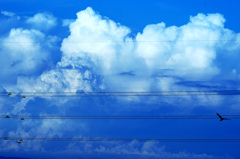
x=100, y=54
x=95, y=38
x=97, y=47
x=192, y=50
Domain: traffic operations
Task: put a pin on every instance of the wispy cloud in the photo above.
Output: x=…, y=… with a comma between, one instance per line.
x=9, y=14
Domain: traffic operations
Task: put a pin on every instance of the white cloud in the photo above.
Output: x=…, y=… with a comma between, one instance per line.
x=99, y=46
x=94, y=37
x=24, y=51
x=100, y=43
x=9, y=14
x=189, y=50
x=126, y=64
x=55, y=80
x=42, y=21
x=59, y=80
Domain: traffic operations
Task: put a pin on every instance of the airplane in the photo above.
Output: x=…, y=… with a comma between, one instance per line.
x=221, y=118
x=20, y=141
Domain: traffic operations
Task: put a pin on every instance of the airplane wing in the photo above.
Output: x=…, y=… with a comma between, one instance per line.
x=219, y=116
x=226, y=119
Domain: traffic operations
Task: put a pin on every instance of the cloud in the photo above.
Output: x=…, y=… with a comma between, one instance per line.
x=100, y=54
x=191, y=51
x=55, y=80
x=106, y=150
x=100, y=43
x=24, y=52
x=98, y=47
x=59, y=80
x=147, y=150
x=188, y=49
x=90, y=29
x=193, y=46
x=42, y=21
x=131, y=150
x=9, y=21
x=9, y=14
x=67, y=22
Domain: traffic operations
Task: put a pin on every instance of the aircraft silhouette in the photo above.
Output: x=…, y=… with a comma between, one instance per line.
x=20, y=141
x=221, y=118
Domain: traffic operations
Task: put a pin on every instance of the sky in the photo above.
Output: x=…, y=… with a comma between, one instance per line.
x=119, y=46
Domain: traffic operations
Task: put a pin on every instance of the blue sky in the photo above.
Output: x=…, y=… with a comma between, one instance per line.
x=110, y=46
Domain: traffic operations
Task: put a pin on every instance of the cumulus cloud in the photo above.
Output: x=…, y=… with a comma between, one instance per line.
x=22, y=52
x=190, y=51
x=42, y=21
x=94, y=37
x=100, y=43
x=158, y=58
x=190, y=47
x=55, y=80
x=59, y=80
